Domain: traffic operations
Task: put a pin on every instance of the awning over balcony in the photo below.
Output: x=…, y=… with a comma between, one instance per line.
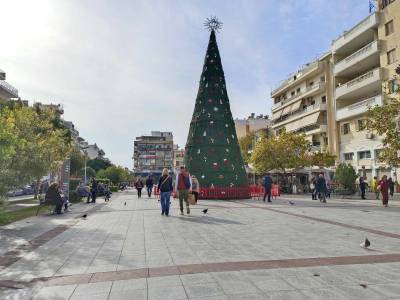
x=310, y=119
x=286, y=110
x=303, y=122
x=277, y=115
x=295, y=106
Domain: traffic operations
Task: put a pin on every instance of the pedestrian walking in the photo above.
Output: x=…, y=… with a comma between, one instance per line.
x=267, y=187
x=165, y=189
x=384, y=189
x=107, y=193
x=374, y=187
x=320, y=188
x=149, y=185
x=195, y=188
x=53, y=196
x=363, y=187
x=93, y=190
x=139, y=185
x=183, y=185
x=312, y=188
x=391, y=186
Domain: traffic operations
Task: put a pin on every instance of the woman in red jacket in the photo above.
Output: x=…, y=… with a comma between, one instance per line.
x=384, y=188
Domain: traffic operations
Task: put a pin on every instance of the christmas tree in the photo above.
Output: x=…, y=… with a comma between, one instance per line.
x=212, y=149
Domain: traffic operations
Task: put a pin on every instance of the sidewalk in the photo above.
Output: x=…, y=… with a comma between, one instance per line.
x=243, y=249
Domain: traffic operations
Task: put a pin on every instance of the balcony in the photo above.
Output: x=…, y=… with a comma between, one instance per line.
x=7, y=90
x=357, y=36
x=301, y=114
x=316, y=129
x=358, y=108
x=361, y=86
x=309, y=91
x=363, y=59
x=306, y=69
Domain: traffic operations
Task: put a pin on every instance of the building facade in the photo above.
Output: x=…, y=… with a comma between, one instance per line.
x=154, y=152
x=302, y=103
x=252, y=124
x=328, y=99
x=179, y=155
x=7, y=91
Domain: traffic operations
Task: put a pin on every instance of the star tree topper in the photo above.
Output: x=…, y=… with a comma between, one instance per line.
x=212, y=24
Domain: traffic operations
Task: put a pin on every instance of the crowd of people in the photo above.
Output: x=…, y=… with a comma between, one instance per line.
x=185, y=185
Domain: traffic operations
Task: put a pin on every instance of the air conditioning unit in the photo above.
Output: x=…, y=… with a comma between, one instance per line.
x=369, y=135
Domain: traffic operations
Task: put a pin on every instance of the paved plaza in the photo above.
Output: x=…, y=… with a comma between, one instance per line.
x=243, y=249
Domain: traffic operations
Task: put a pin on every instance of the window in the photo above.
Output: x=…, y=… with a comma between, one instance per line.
x=292, y=93
x=323, y=99
x=364, y=154
x=311, y=83
x=298, y=90
x=346, y=128
x=322, y=78
x=393, y=86
x=386, y=2
x=362, y=124
x=391, y=56
x=349, y=156
x=389, y=27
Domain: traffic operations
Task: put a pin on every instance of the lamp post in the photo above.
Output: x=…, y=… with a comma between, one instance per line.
x=85, y=153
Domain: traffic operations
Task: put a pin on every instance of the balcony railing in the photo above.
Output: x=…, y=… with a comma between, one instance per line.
x=349, y=60
x=358, y=107
x=299, y=74
x=9, y=88
x=315, y=87
x=369, y=22
x=364, y=80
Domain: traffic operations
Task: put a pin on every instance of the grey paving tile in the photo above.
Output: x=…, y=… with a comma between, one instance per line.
x=128, y=295
x=269, y=285
x=127, y=285
x=167, y=293
x=203, y=290
x=55, y=292
x=92, y=288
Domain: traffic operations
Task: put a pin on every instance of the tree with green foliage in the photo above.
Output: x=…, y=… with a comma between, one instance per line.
x=346, y=176
x=35, y=144
x=212, y=149
x=287, y=150
x=77, y=162
x=98, y=164
x=115, y=174
x=385, y=121
x=246, y=144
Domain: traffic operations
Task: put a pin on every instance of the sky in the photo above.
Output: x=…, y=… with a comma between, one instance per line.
x=123, y=68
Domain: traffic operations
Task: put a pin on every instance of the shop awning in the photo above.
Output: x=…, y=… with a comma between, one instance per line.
x=295, y=106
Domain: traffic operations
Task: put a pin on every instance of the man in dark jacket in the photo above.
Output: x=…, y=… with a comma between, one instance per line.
x=363, y=187
x=267, y=187
x=93, y=190
x=320, y=188
x=149, y=185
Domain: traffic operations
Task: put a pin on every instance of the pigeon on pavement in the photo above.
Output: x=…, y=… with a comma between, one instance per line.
x=291, y=202
x=84, y=216
x=363, y=285
x=205, y=211
x=125, y=203
x=366, y=244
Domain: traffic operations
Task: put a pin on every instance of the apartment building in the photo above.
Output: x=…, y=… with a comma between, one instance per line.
x=365, y=59
x=7, y=91
x=152, y=153
x=179, y=155
x=303, y=101
x=252, y=124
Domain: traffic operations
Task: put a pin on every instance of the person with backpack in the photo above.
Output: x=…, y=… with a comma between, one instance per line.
x=149, y=185
x=183, y=186
x=165, y=188
x=139, y=185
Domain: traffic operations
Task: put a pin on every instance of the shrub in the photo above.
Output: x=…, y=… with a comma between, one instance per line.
x=114, y=188
x=74, y=197
x=73, y=183
x=346, y=175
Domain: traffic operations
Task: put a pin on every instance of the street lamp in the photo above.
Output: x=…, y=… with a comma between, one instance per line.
x=85, y=153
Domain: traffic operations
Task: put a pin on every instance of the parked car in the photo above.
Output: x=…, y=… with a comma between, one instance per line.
x=28, y=190
x=16, y=192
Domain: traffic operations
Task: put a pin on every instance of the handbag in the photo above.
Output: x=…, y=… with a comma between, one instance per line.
x=191, y=199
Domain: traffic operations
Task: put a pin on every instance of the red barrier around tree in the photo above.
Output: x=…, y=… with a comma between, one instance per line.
x=225, y=193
